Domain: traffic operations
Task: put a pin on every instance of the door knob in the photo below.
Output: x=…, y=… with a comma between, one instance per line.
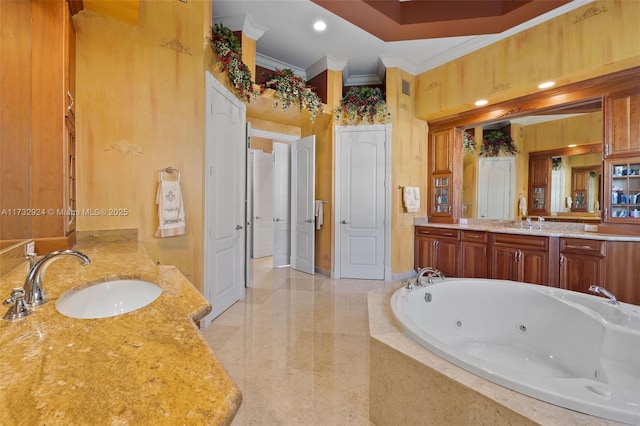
x=344, y=222
x=238, y=227
x=258, y=217
x=309, y=221
x=277, y=219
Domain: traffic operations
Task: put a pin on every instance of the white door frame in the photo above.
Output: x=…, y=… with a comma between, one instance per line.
x=276, y=137
x=338, y=192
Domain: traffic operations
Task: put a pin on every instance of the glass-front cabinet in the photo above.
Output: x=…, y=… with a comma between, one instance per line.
x=441, y=189
x=623, y=195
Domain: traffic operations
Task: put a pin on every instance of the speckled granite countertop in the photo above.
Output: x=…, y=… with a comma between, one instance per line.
x=149, y=366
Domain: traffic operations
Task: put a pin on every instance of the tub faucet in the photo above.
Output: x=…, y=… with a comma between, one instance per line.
x=601, y=290
x=430, y=273
x=34, y=292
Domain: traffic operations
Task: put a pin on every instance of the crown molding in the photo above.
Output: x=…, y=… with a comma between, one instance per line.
x=326, y=63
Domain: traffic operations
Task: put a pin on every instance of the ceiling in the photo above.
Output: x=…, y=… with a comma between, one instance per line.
x=363, y=37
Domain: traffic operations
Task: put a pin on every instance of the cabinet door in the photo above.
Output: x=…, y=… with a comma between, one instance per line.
x=447, y=257
x=578, y=272
x=441, y=151
x=622, y=124
x=622, y=190
x=503, y=263
x=533, y=267
x=425, y=252
x=440, y=201
x=474, y=260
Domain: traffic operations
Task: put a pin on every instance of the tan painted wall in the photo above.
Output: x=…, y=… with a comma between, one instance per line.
x=140, y=98
x=408, y=165
x=596, y=39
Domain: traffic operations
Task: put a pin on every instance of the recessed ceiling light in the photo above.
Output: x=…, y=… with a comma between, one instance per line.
x=546, y=84
x=319, y=26
x=572, y=145
x=482, y=102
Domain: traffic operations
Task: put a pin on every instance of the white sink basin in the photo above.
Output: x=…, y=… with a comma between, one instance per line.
x=107, y=299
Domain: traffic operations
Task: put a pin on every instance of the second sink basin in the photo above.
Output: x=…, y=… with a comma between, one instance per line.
x=108, y=298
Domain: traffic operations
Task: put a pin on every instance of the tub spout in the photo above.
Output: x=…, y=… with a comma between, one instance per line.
x=601, y=290
x=430, y=273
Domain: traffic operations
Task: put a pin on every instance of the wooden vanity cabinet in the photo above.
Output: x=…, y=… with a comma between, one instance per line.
x=474, y=254
x=444, y=181
x=621, y=270
x=438, y=248
x=622, y=124
x=53, y=176
x=582, y=264
x=521, y=258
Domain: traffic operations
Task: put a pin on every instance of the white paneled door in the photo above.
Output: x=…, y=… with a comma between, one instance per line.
x=281, y=204
x=496, y=187
x=362, y=164
x=262, y=204
x=225, y=189
x=303, y=160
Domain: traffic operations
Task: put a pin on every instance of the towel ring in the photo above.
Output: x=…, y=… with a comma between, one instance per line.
x=169, y=170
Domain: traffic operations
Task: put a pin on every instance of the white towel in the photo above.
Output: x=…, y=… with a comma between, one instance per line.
x=522, y=206
x=170, y=209
x=411, y=197
x=319, y=213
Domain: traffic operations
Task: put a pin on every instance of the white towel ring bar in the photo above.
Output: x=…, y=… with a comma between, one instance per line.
x=170, y=170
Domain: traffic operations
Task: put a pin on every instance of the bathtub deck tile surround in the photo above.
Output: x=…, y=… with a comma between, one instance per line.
x=150, y=366
x=450, y=395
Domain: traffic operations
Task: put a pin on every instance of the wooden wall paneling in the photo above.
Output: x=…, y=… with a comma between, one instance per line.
x=15, y=118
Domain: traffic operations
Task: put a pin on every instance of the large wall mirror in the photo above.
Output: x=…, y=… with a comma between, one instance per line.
x=556, y=172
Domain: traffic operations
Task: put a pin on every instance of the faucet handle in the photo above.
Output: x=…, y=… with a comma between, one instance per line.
x=19, y=308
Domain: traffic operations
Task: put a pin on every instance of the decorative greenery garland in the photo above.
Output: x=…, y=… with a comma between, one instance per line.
x=227, y=46
x=363, y=104
x=468, y=143
x=496, y=142
x=291, y=89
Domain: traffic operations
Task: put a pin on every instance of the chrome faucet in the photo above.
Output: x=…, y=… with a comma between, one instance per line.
x=430, y=273
x=529, y=224
x=601, y=290
x=540, y=222
x=34, y=292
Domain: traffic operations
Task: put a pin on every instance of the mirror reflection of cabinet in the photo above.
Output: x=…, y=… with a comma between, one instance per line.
x=539, y=178
x=584, y=184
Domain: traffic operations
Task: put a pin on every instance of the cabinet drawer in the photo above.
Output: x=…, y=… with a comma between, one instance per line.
x=582, y=246
x=521, y=241
x=475, y=236
x=437, y=232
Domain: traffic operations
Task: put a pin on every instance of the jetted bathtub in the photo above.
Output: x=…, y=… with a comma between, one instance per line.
x=570, y=349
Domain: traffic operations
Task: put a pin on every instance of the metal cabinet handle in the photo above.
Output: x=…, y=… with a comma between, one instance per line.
x=71, y=99
x=239, y=227
x=344, y=222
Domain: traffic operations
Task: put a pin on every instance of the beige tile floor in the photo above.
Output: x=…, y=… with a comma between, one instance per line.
x=298, y=348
